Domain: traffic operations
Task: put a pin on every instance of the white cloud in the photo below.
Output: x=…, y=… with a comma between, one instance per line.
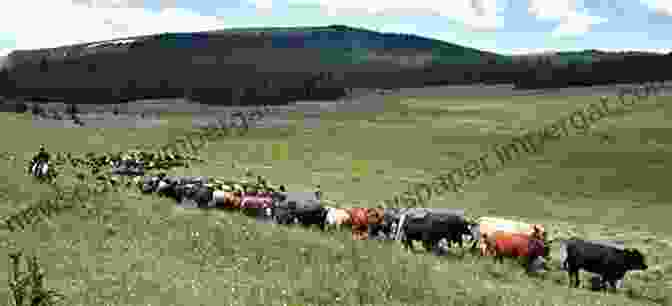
x=475, y=14
x=663, y=7
x=572, y=21
x=524, y=51
x=53, y=23
x=535, y=51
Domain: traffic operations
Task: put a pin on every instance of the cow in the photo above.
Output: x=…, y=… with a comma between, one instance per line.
x=517, y=245
x=387, y=228
x=399, y=216
x=300, y=207
x=227, y=199
x=596, y=279
x=257, y=206
x=489, y=225
x=203, y=196
x=190, y=194
x=434, y=227
x=609, y=262
x=336, y=218
x=360, y=218
x=149, y=184
x=376, y=218
x=168, y=187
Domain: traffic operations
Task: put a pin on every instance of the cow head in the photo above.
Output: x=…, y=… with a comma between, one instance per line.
x=538, y=232
x=634, y=259
x=469, y=231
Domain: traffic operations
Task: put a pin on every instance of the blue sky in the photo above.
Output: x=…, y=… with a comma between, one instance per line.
x=508, y=27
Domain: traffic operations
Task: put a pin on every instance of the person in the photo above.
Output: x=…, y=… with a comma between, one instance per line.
x=41, y=156
x=318, y=192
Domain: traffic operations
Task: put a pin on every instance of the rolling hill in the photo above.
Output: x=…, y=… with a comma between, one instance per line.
x=354, y=45
x=248, y=65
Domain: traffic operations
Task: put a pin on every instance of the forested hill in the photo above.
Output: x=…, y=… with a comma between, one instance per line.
x=359, y=42
x=251, y=65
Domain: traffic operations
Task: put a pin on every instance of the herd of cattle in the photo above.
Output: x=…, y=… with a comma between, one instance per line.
x=437, y=228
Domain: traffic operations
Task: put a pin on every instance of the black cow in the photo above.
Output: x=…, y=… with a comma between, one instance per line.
x=202, y=195
x=432, y=228
x=149, y=184
x=300, y=207
x=385, y=230
x=169, y=188
x=609, y=262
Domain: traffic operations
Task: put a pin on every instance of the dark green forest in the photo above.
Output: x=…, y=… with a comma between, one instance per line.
x=279, y=65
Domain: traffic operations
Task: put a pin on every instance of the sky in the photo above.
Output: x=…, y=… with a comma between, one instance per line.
x=502, y=26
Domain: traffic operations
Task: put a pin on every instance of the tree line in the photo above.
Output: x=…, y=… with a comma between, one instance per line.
x=256, y=79
x=40, y=83
x=626, y=69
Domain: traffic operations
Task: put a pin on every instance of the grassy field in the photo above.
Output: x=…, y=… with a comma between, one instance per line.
x=128, y=249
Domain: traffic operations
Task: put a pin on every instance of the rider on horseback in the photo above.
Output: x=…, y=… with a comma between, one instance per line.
x=41, y=157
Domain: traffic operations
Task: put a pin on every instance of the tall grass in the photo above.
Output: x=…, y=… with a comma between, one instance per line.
x=28, y=287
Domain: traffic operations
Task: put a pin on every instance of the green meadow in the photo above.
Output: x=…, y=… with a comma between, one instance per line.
x=124, y=248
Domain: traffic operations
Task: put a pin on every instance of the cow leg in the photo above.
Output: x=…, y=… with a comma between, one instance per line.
x=528, y=263
x=427, y=242
x=570, y=277
x=408, y=244
x=473, y=244
x=606, y=283
x=574, y=275
x=424, y=237
x=611, y=281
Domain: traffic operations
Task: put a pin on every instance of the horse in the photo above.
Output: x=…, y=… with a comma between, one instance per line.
x=42, y=171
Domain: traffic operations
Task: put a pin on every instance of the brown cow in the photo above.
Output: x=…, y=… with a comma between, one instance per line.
x=489, y=225
x=227, y=199
x=517, y=245
x=361, y=218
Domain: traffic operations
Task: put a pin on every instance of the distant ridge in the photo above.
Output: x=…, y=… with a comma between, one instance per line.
x=249, y=65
